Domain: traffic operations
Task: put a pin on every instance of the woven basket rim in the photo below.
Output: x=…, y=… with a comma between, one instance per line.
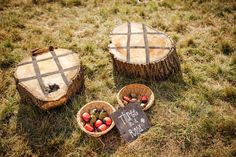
x=95, y=134
x=151, y=98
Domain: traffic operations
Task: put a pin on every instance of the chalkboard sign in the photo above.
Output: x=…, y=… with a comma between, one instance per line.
x=131, y=121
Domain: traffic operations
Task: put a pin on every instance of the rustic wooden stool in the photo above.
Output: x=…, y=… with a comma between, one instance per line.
x=49, y=77
x=140, y=51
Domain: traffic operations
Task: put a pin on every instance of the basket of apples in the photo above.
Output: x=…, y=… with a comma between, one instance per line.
x=136, y=93
x=94, y=118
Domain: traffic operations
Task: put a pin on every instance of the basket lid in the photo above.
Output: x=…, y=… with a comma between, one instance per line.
x=138, y=44
x=48, y=75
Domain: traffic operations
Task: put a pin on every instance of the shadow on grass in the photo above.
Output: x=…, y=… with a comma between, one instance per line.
x=46, y=131
x=169, y=89
x=107, y=144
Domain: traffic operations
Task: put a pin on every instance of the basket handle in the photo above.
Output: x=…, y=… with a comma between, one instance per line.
x=38, y=51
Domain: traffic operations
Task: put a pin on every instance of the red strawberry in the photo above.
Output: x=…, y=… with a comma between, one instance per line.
x=86, y=116
x=107, y=121
x=102, y=127
x=144, y=99
x=98, y=123
x=126, y=98
x=88, y=127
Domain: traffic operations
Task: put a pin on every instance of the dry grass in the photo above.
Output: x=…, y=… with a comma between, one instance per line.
x=192, y=117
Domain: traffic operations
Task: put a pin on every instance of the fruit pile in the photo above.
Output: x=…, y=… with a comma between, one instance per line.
x=143, y=99
x=96, y=120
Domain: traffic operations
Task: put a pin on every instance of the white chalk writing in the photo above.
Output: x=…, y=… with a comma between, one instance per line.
x=129, y=117
x=137, y=130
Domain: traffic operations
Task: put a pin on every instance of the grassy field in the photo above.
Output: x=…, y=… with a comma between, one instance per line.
x=195, y=116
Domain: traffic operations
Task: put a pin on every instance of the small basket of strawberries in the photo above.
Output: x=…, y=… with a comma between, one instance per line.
x=94, y=118
x=136, y=93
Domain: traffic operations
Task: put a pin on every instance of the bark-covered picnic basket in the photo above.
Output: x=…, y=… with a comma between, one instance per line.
x=140, y=51
x=49, y=77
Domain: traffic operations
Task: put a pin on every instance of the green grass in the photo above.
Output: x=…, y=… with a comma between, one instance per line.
x=192, y=117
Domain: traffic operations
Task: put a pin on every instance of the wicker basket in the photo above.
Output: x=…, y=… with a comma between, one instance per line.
x=99, y=105
x=139, y=89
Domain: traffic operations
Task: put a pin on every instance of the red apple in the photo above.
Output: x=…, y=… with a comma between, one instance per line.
x=88, y=127
x=102, y=127
x=144, y=99
x=107, y=121
x=98, y=123
x=126, y=98
x=86, y=116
